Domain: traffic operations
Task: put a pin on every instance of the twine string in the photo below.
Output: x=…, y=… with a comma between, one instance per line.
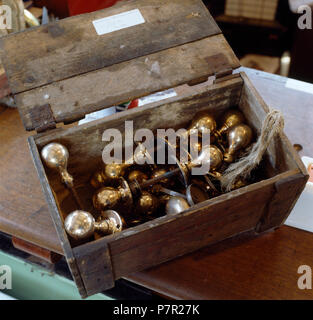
x=272, y=126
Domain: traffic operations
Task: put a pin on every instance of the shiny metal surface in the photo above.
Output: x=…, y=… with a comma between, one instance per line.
x=230, y=119
x=147, y=204
x=176, y=205
x=56, y=156
x=160, y=172
x=204, y=123
x=196, y=194
x=99, y=180
x=137, y=175
x=108, y=197
x=114, y=171
x=79, y=224
x=239, y=137
x=210, y=156
x=171, y=193
x=109, y=222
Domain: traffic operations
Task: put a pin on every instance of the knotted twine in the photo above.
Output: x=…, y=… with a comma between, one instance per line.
x=272, y=126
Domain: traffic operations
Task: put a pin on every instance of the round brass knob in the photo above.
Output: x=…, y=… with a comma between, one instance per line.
x=81, y=225
x=56, y=156
x=239, y=137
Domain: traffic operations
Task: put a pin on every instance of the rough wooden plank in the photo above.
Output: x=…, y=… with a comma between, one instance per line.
x=72, y=98
x=94, y=264
x=161, y=240
x=287, y=193
x=71, y=46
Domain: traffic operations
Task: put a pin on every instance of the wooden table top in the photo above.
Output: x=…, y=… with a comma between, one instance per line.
x=244, y=267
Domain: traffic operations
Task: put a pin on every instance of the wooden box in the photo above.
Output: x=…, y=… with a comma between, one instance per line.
x=61, y=71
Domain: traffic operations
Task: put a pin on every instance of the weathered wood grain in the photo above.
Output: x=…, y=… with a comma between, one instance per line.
x=94, y=264
x=69, y=47
x=71, y=99
x=213, y=221
x=282, y=157
x=23, y=209
x=168, y=237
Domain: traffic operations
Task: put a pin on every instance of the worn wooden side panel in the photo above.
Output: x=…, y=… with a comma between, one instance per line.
x=287, y=192
x=71, y=99
x=282, y=156
x=54, y=211
x=211, y=222
x=72, y=46
x=166, y=238
x=94, y=264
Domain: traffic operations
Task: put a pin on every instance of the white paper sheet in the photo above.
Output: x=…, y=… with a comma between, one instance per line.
x=302, y=215
x=299, y=86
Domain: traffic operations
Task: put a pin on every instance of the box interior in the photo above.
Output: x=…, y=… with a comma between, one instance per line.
x=85, y=143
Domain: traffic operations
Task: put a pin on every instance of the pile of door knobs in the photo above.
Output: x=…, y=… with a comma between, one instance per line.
x=146, y=192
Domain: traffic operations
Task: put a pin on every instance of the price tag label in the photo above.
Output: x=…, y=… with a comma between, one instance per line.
x=118, y=22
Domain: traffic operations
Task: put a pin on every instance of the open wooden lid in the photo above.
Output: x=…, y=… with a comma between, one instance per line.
x=61, y=71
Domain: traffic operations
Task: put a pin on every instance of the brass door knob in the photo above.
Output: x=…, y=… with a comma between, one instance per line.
x=239, y=137
x=56, y=156
x=230, y=119
x=81, y=225
x=108, y=197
